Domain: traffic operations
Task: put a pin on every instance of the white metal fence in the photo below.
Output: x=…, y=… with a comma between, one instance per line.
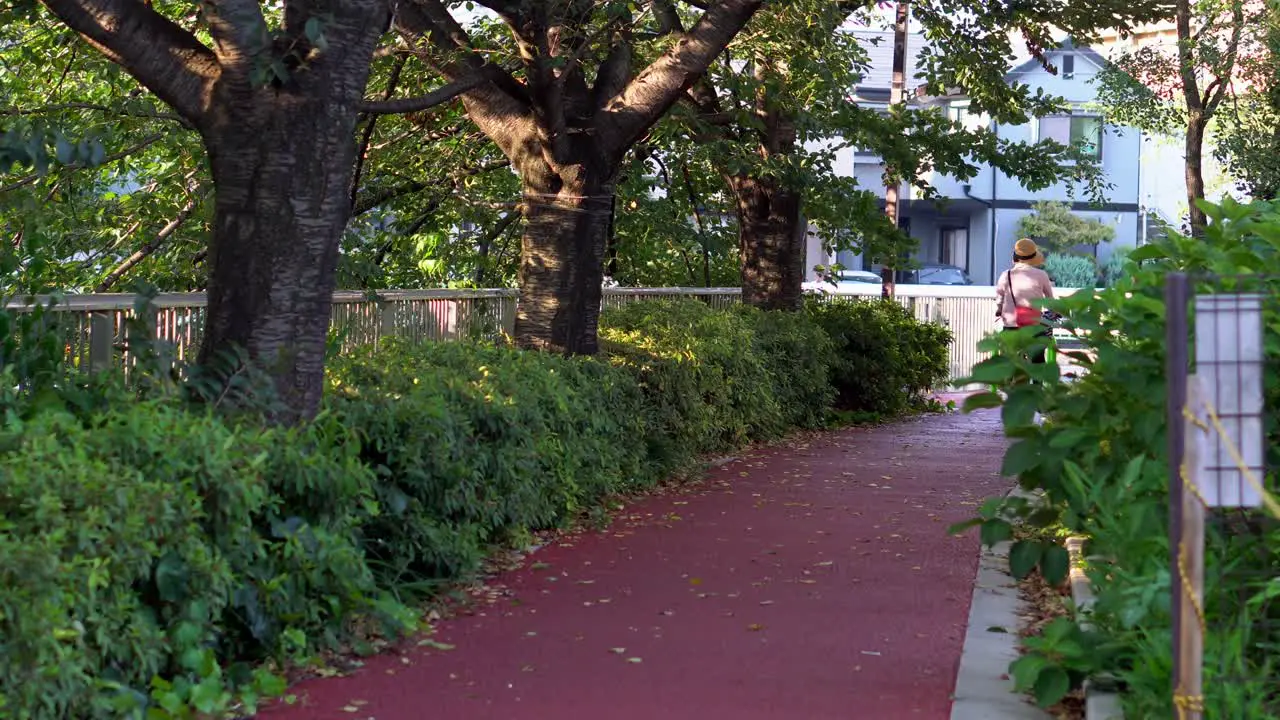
x=96, y=326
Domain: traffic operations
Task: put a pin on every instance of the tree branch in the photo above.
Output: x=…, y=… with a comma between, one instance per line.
x=436, y=97
x=362, y=151
x=165, y=58
x=392, y=193
x=146, y=250
x=627, y=116
x=58, y=107
x=1214, y=92
x=139, y=147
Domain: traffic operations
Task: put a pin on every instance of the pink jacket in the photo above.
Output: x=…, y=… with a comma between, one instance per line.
x=1028, y=283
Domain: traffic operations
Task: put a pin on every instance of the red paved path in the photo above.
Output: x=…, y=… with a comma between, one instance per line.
x=801, y=583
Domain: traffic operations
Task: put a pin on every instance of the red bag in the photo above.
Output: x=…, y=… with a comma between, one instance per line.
x=1028, y=316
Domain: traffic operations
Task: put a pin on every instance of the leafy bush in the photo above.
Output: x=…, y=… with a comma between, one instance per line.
x=473, y=443
x=885, y=359
x=799, y=356
x=1117, y=266
x=1102, y=465
x=156, y=542
x=1071, y=271
x=700, y=368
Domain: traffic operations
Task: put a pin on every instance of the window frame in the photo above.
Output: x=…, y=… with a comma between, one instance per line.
x=1072, y=118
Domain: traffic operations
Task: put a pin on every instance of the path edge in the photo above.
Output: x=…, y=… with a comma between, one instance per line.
x=983, y=688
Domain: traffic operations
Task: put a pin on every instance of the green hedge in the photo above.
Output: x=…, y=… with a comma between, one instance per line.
x=885, y=359
x=153, y=553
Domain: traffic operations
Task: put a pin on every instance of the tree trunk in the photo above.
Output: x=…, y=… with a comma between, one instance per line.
x=892, y=206
x=282, y=161
x=1195, y=173
x=771, y=237
x=562, y=260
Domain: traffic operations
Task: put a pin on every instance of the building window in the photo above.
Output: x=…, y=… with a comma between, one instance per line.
x=954, y=247
x=959, y=112
x=1084, y=131
x=1068, y=66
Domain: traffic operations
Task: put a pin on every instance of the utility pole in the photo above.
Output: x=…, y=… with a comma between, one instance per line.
x=896, y=97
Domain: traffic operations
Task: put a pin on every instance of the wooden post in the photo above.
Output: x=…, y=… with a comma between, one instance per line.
x=102, y=340
x=1190, y=660
x=386, y=319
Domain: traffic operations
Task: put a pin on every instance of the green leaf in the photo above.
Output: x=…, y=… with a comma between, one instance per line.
x=1066, y=438
x=64, y=151
x=981, y=401
x=171, y=576
x=995, y=531
x=1026, y=669
x=961, y=527
x=1022, y=456
x=1020, y=406
x=1148, y=252
x=993, y=371
x=1055, y=564
x=1051, y=685
x=1023, y=557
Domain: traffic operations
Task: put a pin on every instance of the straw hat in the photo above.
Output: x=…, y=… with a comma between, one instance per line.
x=1026, y=252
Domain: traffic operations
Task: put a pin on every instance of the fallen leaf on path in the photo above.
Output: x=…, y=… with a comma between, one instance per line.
x=435, y=644
x=617, y=651
x=634, y=660
x=755, y=627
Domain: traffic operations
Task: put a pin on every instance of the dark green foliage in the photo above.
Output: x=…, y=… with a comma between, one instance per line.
x=799, y=356
x=700, y=368
x=475, y=443
x=886, y=359
x=1101, y=462
x=137, y=544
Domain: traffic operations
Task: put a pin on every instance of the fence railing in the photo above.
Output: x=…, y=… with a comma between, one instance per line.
x=96, y=326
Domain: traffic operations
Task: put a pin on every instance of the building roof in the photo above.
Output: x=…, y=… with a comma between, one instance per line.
x=1067, y=45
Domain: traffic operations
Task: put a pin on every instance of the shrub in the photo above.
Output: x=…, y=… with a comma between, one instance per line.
x=156, y=543
x=1117, y=266
x=1071, y=271
x=798, y=355
x=1102, y=465
x=473, y=444
x=700, y=368
x=885, y=359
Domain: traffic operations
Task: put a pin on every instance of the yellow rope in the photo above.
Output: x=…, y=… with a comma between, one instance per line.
x=1187, y=703
x=1268, y=501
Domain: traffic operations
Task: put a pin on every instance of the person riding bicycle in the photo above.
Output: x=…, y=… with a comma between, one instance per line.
x=1018, y=289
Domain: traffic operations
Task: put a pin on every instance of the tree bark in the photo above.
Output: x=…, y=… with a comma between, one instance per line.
x=562, y=261
x=771, y=237
x=1194, y=172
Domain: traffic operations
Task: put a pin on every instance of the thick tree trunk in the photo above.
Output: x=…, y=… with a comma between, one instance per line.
x=771, y=237
x=1195, y=173
x=282, y=162
x=562, y=261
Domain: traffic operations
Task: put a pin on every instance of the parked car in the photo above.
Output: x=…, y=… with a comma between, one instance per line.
x=858, y=276
x=934, y=274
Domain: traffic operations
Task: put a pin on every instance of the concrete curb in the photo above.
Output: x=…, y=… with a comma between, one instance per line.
x=1100, y=702
x=984, y=690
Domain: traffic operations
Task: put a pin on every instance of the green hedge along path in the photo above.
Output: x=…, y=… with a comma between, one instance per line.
x=812, y=580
